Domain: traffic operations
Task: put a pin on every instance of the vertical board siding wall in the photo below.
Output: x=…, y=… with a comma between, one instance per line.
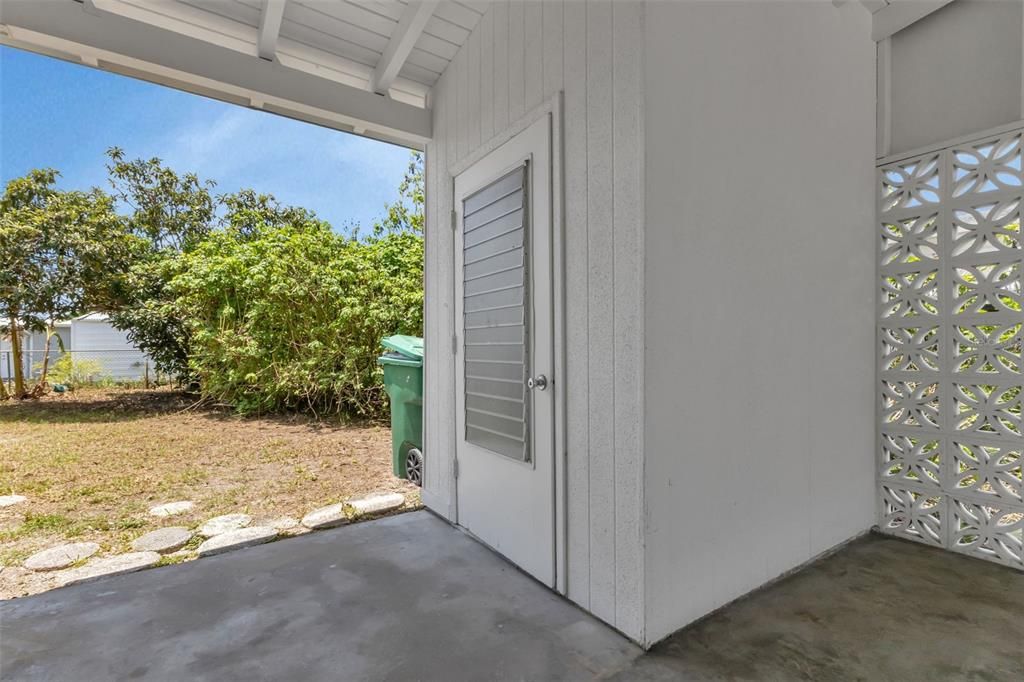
x=519, y=55
x=759, y=261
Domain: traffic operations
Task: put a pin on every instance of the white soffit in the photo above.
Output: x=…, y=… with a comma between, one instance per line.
x=343, y=41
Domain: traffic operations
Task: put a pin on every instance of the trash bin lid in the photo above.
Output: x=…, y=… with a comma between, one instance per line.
x=399, y=360
x=408, y=346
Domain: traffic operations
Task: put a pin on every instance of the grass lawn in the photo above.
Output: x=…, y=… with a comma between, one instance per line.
x=91, y=465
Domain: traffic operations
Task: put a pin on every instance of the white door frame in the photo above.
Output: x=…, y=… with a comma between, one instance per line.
x=551, y=107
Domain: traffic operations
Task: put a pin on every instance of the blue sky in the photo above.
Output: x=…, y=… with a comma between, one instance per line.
x=62, y=115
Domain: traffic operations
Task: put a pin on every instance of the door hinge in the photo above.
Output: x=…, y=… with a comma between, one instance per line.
x=455, y=220
x=455, y=468
x=455, y=344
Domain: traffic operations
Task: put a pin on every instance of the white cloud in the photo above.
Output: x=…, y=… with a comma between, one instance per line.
x=344, y=178
x=212, y=148
x=371, y=157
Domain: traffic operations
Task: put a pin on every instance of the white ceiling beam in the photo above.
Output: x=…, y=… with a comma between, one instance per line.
x=416, y=15
x=185, y=19
x=270, y=27
x=898, y=15
x=66, y=30
x=874, y=5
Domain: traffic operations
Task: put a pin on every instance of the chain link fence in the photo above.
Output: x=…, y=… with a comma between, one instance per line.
x=83, y=367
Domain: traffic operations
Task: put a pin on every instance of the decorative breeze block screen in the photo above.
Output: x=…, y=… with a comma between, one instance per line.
x=495, y=305
x=949, y=348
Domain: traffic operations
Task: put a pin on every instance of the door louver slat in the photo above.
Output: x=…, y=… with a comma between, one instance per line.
x=495, y=334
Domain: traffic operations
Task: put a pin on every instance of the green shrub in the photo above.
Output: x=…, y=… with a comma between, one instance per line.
x=75, y=372
x=292, y=317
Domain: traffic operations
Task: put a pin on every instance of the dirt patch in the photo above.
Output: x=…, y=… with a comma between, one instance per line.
x=92, y=464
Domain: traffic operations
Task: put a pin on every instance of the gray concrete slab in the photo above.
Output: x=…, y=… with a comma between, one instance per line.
x=403, y=598
x=410, y=598
x=880, y=609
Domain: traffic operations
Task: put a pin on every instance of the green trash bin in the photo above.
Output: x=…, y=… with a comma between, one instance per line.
x=403, y=379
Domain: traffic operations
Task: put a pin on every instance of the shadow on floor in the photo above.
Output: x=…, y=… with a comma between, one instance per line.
x=406, y=597
x=411, y=598
x=879, y=609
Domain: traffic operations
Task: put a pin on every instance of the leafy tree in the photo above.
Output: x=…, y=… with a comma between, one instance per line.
x=406, y=214
x=16, y=238
x=171, y=214
x=170, y=211
x=60, y=250
x=82, y=245
x=22, y=198
x=247, y=213
x=174, y=214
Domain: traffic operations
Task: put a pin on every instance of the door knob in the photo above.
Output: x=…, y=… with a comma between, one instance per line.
x=539, y=382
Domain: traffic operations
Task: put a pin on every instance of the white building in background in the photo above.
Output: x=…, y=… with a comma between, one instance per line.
x=90, y=337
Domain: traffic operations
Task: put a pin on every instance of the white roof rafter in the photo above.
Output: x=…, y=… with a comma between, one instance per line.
x=415, y=17
x=80, y=33
x=397, y=48
x=270, y=27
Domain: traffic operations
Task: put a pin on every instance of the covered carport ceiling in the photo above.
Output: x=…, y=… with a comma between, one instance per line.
x=356, y=65
x=363, y=66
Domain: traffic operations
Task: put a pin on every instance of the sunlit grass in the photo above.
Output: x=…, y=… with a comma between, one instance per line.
x=92, y=464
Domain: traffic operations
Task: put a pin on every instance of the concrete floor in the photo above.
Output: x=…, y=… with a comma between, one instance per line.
x=879, y=609
x=403, y=598
x=410, y=598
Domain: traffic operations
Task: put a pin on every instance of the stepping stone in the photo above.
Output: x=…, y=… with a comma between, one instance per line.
x=222, y=524
x=163, y=540
x=110, y=565
x=237, y=539
x=56, y=558
x=172, y=509
x=282, y=523
x=376, y=504
x=325, y=517
x=11, y=500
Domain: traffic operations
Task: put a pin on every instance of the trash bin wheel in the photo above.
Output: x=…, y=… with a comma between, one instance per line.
x=414, y=466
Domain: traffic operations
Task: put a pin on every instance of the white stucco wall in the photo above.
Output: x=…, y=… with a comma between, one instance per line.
x=759, y=417
x=518, y=56
x=954, y=73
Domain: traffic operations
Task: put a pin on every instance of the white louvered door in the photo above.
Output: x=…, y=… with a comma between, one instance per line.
x=504, y=366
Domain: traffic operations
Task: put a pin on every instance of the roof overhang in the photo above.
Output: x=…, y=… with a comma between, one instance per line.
x=77, y=32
